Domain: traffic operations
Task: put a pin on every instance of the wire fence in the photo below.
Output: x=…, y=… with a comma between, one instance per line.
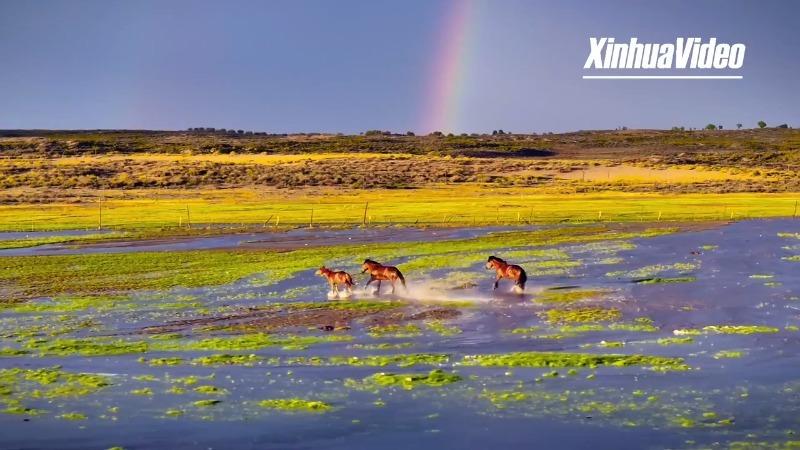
x=158, y=214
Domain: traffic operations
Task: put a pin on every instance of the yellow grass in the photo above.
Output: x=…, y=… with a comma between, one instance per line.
x=443, y=205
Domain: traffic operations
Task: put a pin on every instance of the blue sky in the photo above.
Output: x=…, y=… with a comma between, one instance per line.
x=348, y=66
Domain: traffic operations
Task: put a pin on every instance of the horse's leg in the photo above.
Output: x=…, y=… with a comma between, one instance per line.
x=392, y=281
x=371, y=279
x=379, y=287
x=497, y=281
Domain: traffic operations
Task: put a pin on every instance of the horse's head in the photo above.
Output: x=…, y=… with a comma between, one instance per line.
x=368, y=264
x=321, y=271
x=493, y=262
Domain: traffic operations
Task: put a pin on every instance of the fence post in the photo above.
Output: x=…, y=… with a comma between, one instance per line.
x=188, y=218
x=100, y=214
x=794, y=215
x=364, y=219
x=311, y=222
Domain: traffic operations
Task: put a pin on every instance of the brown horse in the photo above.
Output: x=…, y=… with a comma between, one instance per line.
x=505, y=270
x=379, y=272
x=337, y=278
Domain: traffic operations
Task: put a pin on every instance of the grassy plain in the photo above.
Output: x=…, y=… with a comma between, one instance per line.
x=185, y=181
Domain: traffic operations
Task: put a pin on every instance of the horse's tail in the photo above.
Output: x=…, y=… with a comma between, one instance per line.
x=349, y=280
x=402, y=279
x=523, y=277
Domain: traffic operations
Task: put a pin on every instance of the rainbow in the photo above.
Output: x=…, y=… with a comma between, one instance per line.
x=442, y=95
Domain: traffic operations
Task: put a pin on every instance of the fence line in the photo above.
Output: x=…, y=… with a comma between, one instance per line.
x=108, y=215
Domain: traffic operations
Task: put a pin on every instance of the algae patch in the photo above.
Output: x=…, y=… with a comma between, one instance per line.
x=295, y=404
x=557, y=359
x=407, y=381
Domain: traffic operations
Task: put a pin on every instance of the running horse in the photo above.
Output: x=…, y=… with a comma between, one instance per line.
x=337, y=278
x=506, y=270
x=378, y=272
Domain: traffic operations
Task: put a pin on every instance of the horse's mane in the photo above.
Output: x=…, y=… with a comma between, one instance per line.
x=369, y=261
x=495, y=258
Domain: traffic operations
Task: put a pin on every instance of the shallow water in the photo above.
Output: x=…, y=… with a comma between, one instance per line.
x=752, y=397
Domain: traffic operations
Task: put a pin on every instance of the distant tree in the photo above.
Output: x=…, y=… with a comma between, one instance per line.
x=501, y=131
x=783, y=125
x=240, y=131
x=436, y=133
x=762, y=124
x=449, y=134
x=410, y=133
x=719, y=126
x=373, y=133
x=624, y=128
x=494, y=132
x=739, y=126
x=711, y=126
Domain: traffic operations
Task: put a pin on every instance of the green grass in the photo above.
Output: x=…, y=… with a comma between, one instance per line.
x=444, y=206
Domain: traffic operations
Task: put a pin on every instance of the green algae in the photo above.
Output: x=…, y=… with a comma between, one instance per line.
x=789, y=235
x=210, y=390
x=563, y=359
x=154, y=362
x=295, y=405
x=72, y=416
x=18, y=409
x=526, y=330
x=687, y=332
x=740, y=329
x=610, y=344
x=640, y=324
x=407, y=381
x=49, y=383
x=146, y=377
x=226, y=360
x=728, y=354
x=394, y=331
x=6, y=352
x=582, y=315
x=85, y=347
x=252, y=341
x=793, y=258
x=569, y=296
x=145, y=392
x=658, y=280
x=675, y=341
x=64, y=304
x=400, y=360
x=654, y=270
x=382, y=346
x=443, y=330
x=206, y=403
x=761, y=276
x=764, y=445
